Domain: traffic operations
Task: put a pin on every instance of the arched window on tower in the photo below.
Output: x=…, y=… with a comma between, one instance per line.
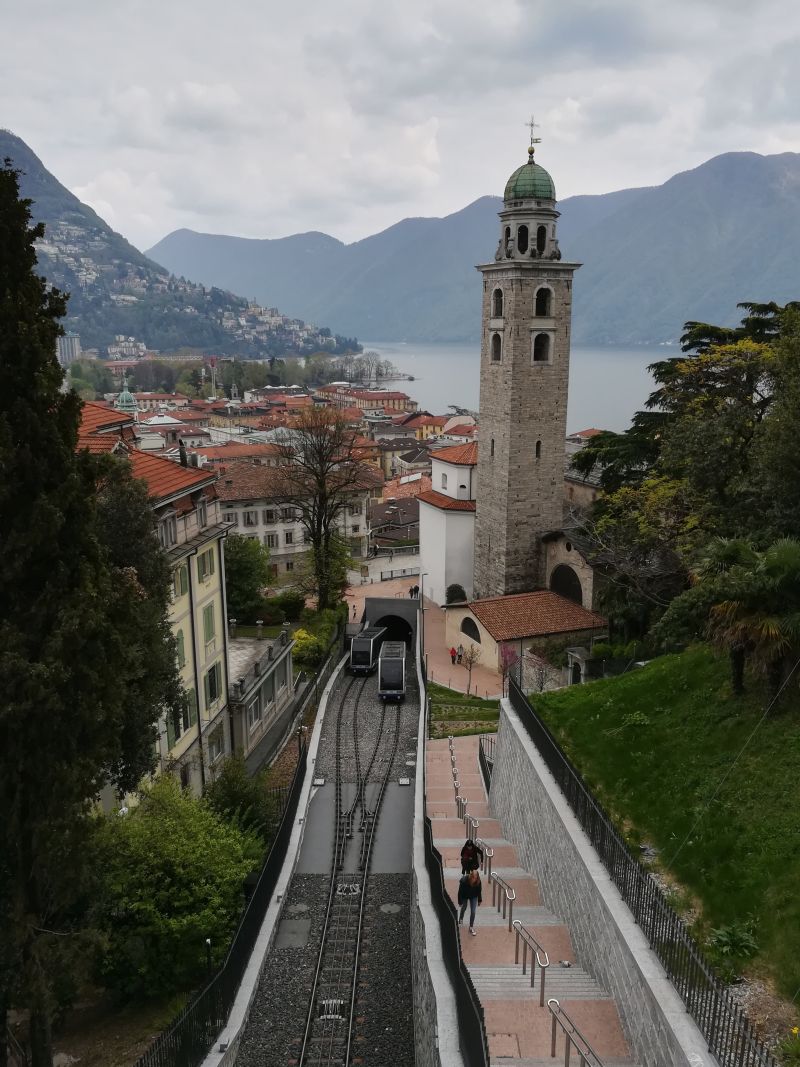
x=497, y=304
x=541, y=348
x=522, y=239
x=541, y=238
x=538, y=449
x=444, y=481
x=491, y=447
x=544, y=302
x=497, y=347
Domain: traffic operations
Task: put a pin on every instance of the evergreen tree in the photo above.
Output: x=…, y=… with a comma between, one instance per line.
x=75, y=660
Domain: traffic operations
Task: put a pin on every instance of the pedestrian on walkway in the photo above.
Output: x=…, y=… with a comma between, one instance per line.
x=452, y=655
x=411, y=591
x=471, y=856
x=469, y=892
x=459, y=653
x=354, y=611
x=416, y=591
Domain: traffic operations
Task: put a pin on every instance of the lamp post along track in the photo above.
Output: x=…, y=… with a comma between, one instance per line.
x=329, y=1025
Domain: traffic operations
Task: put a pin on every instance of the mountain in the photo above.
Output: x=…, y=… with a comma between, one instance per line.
x=692, y=248
x=116, y=290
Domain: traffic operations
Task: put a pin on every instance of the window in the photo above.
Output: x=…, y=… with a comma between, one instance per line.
x=191, y=709
x=290, y=565
x=251, y=518
x=522, y=239
x=271, y=540
x=215, y=744
x=470, y=628
x=273, y=570
x=497, y=304
x=168, y=531
x=544, y=302
x=444, y=481
x=354, y=509
x=497, y=347
x=254, y=713
x=231, y=516
x=541, y=348
x=209, y=630
x=491, y=447
x=268, y=690
x=538, y=449
x=541, y=238
x=202, y=513
x=205, y=565
x=355, y=528
x=181, y=649
x=212, y=684
x=268, y=515
x=288, y=537
x=180, y=581
x=287, y=514
x=280, y=673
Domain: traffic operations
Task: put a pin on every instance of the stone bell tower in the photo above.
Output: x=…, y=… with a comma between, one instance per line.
x=525, y=338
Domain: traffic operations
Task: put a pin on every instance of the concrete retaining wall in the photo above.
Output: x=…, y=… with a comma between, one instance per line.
x=576, y=886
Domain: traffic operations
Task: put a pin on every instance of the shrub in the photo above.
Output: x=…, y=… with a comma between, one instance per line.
x=309, y=651
x=601, y=650
x=172, y=874
x=242, y=799
x=455, y=593
x=270, y=613
x=291, y=602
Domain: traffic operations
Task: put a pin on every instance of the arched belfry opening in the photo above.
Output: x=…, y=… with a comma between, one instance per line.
x=522, y=240
x=497, y=348
x=541, y=239
x=566, y=583
x=541, y=348
x=497, y=304
x=544, y=303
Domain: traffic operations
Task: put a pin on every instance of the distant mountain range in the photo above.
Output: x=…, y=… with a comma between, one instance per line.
x=692, y=248
x=115, y=290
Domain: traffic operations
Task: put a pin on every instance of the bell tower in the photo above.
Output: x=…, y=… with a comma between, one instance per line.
x=525, y=339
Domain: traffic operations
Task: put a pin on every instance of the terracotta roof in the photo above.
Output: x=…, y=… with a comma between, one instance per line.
x=446, y=503
x=165, y=478
x=461, y=455
x=97, y=443
x=246, y=481
x=592, y=432
x=97, y=418
x=536, y=614
x=236, y=450
x=402, y=487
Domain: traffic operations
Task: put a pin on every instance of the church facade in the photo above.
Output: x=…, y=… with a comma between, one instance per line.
x=525, y=346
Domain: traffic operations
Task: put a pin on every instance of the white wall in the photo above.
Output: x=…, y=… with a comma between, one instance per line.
x=446, y=544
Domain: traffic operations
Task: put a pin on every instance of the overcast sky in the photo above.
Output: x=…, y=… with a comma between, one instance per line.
x=263, y=118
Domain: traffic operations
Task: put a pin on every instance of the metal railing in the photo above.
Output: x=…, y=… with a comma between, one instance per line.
x=190, y=1037
x=488, y=856
x=539, y=956
x=573, y=1038
x=503, y=897
x=17, y=1056
x=730, y=1035
x=486, y=759
x=471, y=825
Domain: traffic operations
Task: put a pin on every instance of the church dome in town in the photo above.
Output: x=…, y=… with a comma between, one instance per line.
x=126, y=401
x=530, y=182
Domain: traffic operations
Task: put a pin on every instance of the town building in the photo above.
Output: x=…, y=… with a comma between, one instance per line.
x=343, y=395
x=68, y=348
x=447, y=521
x=261, y=693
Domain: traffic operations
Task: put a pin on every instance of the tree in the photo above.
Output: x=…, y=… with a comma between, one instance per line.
x=173, y=870
x=70, y=611
x=246, y=576
x=320, y=478
x=472, y=655
x=455, y=594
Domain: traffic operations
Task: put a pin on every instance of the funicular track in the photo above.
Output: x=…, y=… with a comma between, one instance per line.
x=329, y=1026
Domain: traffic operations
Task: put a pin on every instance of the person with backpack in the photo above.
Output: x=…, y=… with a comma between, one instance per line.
x=471, y=856
x=469, y=892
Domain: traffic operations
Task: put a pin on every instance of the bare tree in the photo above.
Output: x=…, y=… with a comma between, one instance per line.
x=472, y=655
x=320, y=479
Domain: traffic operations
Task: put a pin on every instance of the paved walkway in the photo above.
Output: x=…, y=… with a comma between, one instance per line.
x=517, y=1027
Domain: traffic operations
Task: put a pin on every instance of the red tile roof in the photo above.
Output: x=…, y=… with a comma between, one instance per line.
x=236, y=450
x=461, y=455
x=400, y=489
x=592, y=432
x=446, y=503
x=165, y=478
x=97, y=418
x=536, y=614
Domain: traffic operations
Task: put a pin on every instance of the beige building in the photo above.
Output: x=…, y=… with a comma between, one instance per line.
x=261, y=692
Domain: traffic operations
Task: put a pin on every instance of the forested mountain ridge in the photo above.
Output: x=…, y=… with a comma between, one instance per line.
x=691, y=248
x=116, y=290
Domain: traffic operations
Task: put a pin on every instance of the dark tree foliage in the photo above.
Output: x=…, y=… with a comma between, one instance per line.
x=75, y=659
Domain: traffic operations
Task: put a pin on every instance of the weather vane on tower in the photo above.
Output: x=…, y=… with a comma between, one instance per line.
x=534, y=140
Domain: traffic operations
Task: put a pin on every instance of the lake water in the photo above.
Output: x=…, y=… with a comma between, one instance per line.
x=606, y=385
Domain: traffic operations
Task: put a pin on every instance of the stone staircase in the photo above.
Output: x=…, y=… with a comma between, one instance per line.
x=517, y=1027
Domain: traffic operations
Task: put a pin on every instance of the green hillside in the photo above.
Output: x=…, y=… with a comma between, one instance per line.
x=655, y=745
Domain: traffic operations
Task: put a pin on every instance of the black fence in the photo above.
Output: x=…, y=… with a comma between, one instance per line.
x=731, y=1036
x=471, y=1028
x=191, y=1036
x=486, y=759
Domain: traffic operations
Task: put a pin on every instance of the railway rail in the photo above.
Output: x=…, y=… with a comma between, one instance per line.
x=328, y=1036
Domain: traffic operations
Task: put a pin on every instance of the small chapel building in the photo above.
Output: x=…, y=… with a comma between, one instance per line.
x=447, y=521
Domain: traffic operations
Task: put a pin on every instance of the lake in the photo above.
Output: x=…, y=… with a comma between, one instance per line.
x=606, y=385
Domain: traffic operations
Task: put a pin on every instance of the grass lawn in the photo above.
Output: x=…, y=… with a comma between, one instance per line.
x=459, y=714
x=655, y=745
x=269, y=632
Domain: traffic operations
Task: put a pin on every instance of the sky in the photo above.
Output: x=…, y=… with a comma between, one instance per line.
x=263, y=118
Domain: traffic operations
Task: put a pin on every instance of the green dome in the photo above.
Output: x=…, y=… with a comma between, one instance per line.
x=126, y=402
x=530, y=182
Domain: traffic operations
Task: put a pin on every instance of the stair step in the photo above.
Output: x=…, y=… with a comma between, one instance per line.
x=509, y=1061
x=509, y=983
x=528, y=915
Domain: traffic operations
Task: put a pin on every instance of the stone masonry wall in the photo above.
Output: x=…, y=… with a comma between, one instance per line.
x=520, y=496
x=426, y=1046
x=576, y=886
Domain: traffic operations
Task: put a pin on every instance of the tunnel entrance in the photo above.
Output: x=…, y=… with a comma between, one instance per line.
x=397, y=629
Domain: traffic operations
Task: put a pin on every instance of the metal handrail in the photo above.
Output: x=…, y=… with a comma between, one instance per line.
x=471, y=825
x=538, y=955
x=574, y=1038
x=488, y=853
x=498, y=898
x=461, y=806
